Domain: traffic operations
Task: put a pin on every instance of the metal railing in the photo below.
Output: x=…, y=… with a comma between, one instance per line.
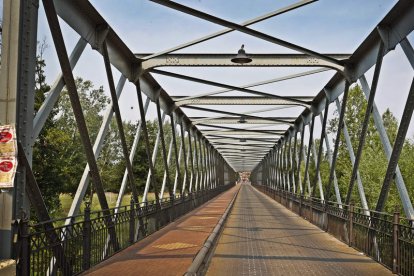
x=86, y=241
x=388, y=239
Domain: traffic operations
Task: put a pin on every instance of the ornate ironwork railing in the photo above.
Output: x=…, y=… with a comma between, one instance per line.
x=388, y=239
x=86, y=241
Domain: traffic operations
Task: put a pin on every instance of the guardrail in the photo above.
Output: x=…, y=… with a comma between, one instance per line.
x=388, y=239
x=86, y=241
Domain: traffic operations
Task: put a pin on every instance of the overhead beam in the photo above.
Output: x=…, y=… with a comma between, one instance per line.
x=242, y=154
x=242, y=132
x=262, y=144
x=243, y=148
x=218, y=137
x=248, y=120
x=244, y=116
x=236, y=149
x=222, y=85
x=232, y=129
x=259, y=83
x=224, y=60
x=238, y=100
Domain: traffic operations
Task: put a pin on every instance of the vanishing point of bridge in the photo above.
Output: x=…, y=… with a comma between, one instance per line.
x=238, y=181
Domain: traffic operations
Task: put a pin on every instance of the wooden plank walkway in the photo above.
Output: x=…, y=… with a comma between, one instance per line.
x=171, y=250
x=262, y=237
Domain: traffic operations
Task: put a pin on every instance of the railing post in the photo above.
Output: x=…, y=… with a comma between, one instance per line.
x=286, y=199
x=172, y=198
x=395, y=243
x=132, y=221
x=325, y=216
x=23, y=265
x=86, y=243
x=311, y=209
x=350, y=223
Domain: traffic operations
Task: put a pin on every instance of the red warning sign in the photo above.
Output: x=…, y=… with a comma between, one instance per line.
x=6, y=166
x=8, y=154
x=5, y=136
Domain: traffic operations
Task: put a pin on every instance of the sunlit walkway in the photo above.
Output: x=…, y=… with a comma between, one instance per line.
x=261, y=237
x=171, y=250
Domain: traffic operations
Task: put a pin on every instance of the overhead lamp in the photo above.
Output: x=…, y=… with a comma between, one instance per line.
x=242, y=120
x=241, y=57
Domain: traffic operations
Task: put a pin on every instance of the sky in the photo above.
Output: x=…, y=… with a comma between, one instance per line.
x=329, y=26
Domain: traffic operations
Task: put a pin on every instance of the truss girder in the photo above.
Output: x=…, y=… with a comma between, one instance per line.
x=208, y=149
x=224, y=60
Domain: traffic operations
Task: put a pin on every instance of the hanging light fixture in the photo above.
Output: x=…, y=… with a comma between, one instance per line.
x=242, y=120
x=241, y=57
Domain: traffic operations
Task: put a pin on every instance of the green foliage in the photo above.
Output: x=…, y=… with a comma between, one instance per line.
x=45, y=152
x=58, y=156
x=373, y=164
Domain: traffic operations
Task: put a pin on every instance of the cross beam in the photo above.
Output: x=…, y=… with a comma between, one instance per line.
x=238, y=100
x=224, y=60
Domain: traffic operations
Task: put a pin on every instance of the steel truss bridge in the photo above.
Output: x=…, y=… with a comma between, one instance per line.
x=208, y=149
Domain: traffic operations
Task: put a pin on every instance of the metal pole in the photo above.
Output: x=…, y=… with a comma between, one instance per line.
x=191, y=153
x=150, y=175
x=146, y=139
x=197, y=183
x=308, y=156
x=317, y=178
x=294, y=160
x=290, y=164
x=177, y=159
x=396, y=151
x=338, y=138
x=386, y=145
x=319, y=157
x=207, y=165
x=185, y=157
x=97, y=147
x=53, y=95
x=287, y=163
x=186, y=177
x=131, y=158
x=17, y=83
x=115, y=106
x=77, y=110
x=348, y=142
x=329, y=154
x=177, y=156
x=202, y=166
x=164, y=151
x=365, y=123
x=301, y=150
x=164, y=179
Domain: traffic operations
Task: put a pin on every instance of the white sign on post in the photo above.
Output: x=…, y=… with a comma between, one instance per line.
x=8, y=156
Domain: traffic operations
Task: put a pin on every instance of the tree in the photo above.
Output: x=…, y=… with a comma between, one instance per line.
x=45, y=151
x=373, y=163
x=58, y=157
x=66, y=134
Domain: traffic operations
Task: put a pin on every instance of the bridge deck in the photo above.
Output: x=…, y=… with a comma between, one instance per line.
x=171, y=250
x=262, y=237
